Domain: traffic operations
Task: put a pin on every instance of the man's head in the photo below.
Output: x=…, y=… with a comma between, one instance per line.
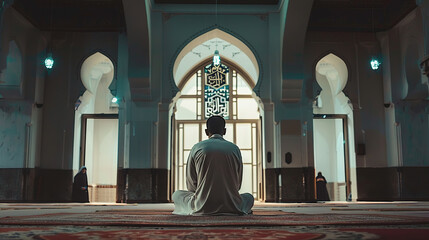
x=215, y=125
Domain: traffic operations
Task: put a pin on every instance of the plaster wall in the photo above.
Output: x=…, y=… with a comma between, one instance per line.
x=407, y=91
x=139, y=105
x=20, y=124
x=20, y=105
x=13, y=133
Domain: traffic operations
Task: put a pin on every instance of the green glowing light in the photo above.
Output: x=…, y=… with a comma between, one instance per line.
x=49, y=62
x=216, y=58
x=375, y=64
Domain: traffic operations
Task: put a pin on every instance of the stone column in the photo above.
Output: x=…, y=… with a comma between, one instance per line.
x=269, y=156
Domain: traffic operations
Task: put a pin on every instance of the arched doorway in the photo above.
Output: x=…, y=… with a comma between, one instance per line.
x=240, y=110
x=334, y=153
x=96, y=129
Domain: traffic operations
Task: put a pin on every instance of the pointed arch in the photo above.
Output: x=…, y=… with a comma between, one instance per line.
x=337, y=157
x=202, y=47
x=335, y=70
x=94, y=69
x=97, y=72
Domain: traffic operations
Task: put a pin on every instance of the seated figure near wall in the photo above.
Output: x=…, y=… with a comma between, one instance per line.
x=213, y=177
x=80, y=187
x=322, y=191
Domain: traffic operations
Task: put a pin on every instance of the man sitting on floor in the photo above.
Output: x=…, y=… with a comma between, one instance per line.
x=213, y=177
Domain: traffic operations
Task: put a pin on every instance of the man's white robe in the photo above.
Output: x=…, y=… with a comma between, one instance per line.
x=213, y=177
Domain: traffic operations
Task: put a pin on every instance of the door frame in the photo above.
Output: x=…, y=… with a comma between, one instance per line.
x=343, y=117
x=84, y=121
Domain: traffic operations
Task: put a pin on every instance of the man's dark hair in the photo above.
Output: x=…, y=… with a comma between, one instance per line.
x=215, y=124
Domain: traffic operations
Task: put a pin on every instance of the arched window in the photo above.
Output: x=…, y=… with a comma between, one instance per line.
x=199, y=99
x=203, y=94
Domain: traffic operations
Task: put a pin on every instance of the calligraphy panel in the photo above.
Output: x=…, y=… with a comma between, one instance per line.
x=216, y=101
x=216, y=91
x=216, y=75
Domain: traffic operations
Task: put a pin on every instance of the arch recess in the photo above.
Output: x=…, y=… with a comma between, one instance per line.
x=331, y=74
x=203, y=47
x=335, y=71
x=96, y=68
x=96, y=73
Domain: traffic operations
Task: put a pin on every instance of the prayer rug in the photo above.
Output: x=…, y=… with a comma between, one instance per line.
x=164, y=218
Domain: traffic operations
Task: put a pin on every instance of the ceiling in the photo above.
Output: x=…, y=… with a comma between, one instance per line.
x=73, y=15
x=358, y=15
x=247, y=2
x=107, y=15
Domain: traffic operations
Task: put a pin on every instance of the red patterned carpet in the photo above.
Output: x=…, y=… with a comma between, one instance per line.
x=289, y=233
x=263, y=224
x=50, y=233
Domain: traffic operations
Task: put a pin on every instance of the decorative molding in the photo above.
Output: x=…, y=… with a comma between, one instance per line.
x=197, y=53
x=235, y=53
x=207, y=46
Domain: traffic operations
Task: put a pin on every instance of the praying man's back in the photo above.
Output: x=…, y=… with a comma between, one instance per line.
x=213, y=177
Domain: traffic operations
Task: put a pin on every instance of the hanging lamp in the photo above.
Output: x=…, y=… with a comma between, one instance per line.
x=216, y=57
x=49, y=60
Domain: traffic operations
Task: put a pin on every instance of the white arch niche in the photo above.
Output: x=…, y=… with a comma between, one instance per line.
x=203, y=46
x=97, y=73
x=331, y=75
